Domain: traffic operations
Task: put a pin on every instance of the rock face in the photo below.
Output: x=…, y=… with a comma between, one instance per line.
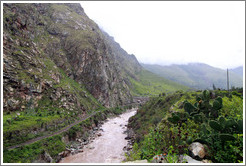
x=51, y=49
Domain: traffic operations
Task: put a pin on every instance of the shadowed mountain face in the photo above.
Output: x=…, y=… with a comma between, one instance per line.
x=55, y=51
x=196, y=75
x=47, y=43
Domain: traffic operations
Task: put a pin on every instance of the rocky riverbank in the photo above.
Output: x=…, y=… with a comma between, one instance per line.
x=107, y=142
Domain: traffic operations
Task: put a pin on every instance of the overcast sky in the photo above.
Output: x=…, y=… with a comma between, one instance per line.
x=175, y=32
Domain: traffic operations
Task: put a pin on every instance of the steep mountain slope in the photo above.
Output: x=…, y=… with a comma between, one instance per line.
x=58, y=66
x=238, y=70
x=62, y=36
x=45, y=43
x=196, y=75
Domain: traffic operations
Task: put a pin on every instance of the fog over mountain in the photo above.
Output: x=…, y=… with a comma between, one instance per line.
x=197, y=75
x=166, y=33
x=238, y=70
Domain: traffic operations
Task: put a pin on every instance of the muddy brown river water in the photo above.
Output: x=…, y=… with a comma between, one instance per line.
x=108, y=148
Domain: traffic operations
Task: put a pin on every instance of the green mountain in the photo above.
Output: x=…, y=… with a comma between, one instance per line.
x=150, y=84
x=58, y=67
x=196, y=75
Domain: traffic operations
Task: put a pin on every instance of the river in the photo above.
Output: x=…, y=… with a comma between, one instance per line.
x=108, y=148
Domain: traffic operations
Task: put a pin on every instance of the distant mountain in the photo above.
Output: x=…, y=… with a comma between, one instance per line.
x=196, y=75
x=238, y=70
x=59, y=67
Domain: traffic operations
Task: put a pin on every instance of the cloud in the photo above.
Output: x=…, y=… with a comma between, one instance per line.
x=175, y=32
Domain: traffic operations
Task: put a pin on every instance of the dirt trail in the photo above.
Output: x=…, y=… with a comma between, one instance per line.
x=108, y=148
x=53, y=134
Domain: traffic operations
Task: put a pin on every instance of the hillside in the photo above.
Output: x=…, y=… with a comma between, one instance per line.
x=59, y=67
x=166, y=126
x=196, y=75
x=150, y=84
x=58, y=41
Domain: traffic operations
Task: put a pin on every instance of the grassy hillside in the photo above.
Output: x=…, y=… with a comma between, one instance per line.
x=169, y=124
x=149, y=84
x=196, y=75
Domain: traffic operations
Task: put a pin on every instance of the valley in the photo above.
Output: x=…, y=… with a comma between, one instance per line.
x=108, y=147
x=72, y=94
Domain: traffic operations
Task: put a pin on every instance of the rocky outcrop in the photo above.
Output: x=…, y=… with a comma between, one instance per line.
x=197, y=150
x=43, y=44
x=58, y=66
x=30, y=76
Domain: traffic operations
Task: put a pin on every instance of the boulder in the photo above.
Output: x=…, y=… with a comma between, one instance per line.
x=197, y=150
x=188, y=159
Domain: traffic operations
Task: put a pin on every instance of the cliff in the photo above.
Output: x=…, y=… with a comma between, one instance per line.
x=47, y=43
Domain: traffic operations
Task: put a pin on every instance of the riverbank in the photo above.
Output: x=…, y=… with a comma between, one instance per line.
x=52, y=149
x=106, y=145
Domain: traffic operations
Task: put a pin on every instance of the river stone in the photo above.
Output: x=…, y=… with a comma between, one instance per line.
x=197, y=150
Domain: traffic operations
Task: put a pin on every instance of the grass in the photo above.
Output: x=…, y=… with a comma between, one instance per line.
x=149, y=84
x=54, y=145
x=24, y=122
x=30, y=153
x=151, y=113
x=48, y=111
x=154, y=130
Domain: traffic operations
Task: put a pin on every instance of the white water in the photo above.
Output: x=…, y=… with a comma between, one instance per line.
x=107, y=148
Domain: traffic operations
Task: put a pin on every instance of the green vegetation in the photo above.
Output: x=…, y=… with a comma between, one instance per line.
x=196, y=75
x=46, y=116
x=41, y=98
x=149, y=84
x=212, y=118
x=30, y=153
x=79, y=90
x=54, y=145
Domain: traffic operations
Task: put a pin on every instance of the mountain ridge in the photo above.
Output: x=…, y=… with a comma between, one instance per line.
x=58, y=66
x=237, y=70
x=195, y=75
